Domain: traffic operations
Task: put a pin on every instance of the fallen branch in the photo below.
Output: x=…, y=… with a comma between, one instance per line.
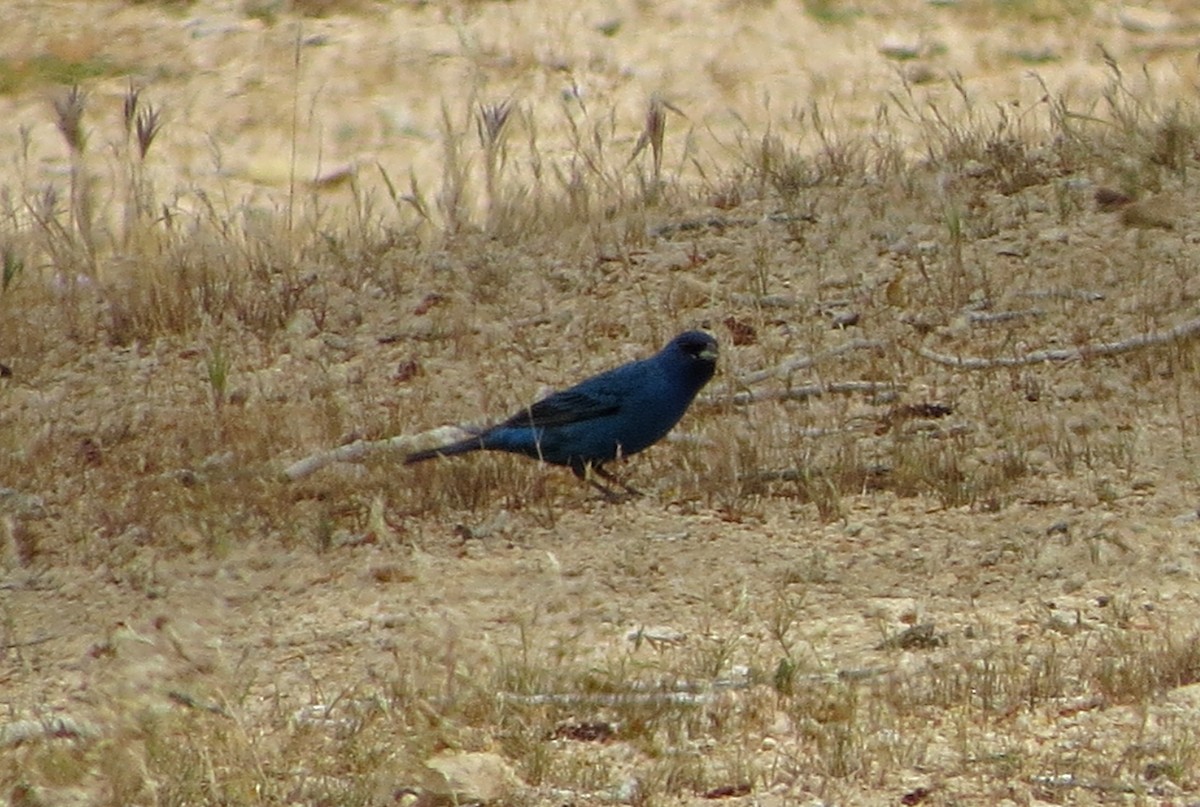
x=804, y=362
x=1185, y=330
x=803, y=392
x=361, y=449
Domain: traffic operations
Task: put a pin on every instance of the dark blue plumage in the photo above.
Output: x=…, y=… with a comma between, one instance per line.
x=614, y=414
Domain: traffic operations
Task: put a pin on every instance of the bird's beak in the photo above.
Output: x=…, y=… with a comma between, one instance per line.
x=709, y=353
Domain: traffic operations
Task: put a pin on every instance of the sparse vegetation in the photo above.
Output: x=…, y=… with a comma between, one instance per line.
x=925, y=539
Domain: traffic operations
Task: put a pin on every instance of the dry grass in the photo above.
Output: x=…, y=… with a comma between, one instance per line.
x=859, y=576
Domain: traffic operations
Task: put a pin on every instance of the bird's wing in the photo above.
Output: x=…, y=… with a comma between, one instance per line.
x=568, y=406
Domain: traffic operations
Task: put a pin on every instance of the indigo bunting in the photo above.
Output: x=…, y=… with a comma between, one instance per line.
x=614, y=414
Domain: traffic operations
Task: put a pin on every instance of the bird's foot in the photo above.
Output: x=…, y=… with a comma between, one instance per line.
x=615, y=496
x=612, y=495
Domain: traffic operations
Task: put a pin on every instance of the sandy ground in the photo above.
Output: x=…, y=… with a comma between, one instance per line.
x=257, y=101
x=129, y=587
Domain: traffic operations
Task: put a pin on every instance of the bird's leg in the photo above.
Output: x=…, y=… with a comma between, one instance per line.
x=588, y=473
x=607, y=475
x=611, y=496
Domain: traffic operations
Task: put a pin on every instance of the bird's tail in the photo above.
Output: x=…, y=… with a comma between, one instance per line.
x=461, y=447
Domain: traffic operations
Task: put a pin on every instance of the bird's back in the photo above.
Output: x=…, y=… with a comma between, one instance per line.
x=616, y=413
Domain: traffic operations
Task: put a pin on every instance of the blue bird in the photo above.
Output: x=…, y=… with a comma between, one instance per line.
x=614, y=414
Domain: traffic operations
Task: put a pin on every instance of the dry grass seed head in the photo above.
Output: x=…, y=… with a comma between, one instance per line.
x=69, y=108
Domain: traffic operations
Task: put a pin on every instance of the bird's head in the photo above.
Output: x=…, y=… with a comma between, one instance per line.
x=698, y=351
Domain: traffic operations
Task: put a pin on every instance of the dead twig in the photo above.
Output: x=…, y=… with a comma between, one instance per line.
x=803, y=392
x=1182, y=331
x=804, y=362
x=361, y=449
